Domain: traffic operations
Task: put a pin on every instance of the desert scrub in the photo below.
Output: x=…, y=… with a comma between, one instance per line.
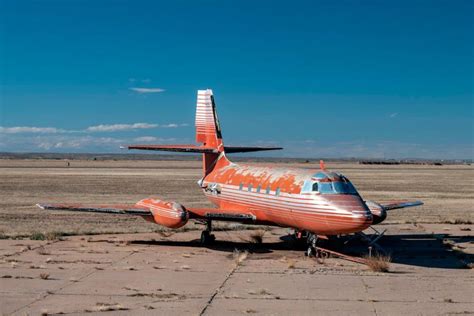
x=379, y=263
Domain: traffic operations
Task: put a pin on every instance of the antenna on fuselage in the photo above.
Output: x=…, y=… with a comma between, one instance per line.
x=322, y=166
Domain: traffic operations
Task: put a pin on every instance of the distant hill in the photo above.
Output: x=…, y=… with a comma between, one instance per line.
x=188, y=157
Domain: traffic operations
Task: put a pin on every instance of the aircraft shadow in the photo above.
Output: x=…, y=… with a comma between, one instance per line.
x=423, y=250
x=428, y=250
x=220, y=245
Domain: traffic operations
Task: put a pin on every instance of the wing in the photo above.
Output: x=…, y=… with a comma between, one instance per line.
x=400, y=204
x=123, y=209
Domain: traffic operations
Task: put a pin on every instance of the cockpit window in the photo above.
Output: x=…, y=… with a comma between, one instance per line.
x=337, y=188
x=341, y=185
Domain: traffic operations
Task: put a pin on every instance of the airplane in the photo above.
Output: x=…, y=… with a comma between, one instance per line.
x=314, y=204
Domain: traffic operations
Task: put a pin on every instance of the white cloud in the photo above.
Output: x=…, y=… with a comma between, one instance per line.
x=147, y=90
x=120, y=127
x=145, y=139
x=29, y=129
x=66, y=142
x=94, y=129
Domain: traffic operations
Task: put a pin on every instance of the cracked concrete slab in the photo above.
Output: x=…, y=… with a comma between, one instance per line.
x=145, y=274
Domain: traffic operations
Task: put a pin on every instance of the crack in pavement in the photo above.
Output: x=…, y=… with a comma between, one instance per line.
x=366, y=288
x=211, y=299
x=53, y=292
x=7, y=255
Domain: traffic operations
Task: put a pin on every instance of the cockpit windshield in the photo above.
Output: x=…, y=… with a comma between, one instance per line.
x=336, y=188
x=328, y=184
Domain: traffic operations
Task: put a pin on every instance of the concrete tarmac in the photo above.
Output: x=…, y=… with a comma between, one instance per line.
x=150, y=274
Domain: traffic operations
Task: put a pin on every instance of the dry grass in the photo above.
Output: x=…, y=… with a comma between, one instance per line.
x=37, y=267
x=43, y=251
x=259, y=292
x=291, y=264
x=257, y=236
x=379, y=263
x=106, y=307
x=239, y=256
x=159, y=295
x=459, y=221
x=37, y=236
x=250, y=311
x=54, y=235
x=165, y=234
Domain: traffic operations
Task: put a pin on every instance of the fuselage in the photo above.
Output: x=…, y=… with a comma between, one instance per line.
x=324, y=203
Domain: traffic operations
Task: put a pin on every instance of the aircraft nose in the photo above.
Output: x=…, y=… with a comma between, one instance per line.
x=362, y=218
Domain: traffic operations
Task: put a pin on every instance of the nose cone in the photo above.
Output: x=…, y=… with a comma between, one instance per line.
x=360, y=215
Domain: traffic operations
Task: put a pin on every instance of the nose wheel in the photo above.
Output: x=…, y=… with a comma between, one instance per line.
x=311, y=241
x=206, y=236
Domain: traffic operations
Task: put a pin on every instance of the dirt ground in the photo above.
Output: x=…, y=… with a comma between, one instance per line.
x=147, y=270
x=447, y=191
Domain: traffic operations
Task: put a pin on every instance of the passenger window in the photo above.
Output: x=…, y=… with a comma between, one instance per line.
x=315, y=187
x=258, y=188
x=241, y=186
x=267, y=191
x=277, y=192
x=250, y=187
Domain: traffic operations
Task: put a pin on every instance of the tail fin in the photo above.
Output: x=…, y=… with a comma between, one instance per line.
x=208, y=132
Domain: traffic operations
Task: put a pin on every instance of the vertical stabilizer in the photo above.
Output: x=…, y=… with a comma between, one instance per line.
x=208, y=130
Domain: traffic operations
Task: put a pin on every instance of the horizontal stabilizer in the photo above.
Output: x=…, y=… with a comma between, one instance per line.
x=107, y=209
x=229, y=149
x=200, y=149
x=176, y=148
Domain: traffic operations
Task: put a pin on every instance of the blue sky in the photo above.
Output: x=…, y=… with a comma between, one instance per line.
x=377, y=79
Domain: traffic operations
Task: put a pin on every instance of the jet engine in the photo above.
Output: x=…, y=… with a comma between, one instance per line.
x=169, y=214
x=379, y=214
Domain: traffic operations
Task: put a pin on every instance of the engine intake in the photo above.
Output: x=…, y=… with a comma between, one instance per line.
x=168, y=214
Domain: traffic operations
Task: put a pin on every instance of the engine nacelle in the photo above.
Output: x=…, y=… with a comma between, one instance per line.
x=169, y=214
x=379, y=214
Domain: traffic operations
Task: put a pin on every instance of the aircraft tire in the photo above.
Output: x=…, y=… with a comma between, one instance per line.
x=207, y=238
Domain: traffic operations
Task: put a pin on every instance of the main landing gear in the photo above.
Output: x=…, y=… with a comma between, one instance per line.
x=206, y=236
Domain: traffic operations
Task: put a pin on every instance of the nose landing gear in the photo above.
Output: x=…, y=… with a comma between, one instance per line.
x=311, y=242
